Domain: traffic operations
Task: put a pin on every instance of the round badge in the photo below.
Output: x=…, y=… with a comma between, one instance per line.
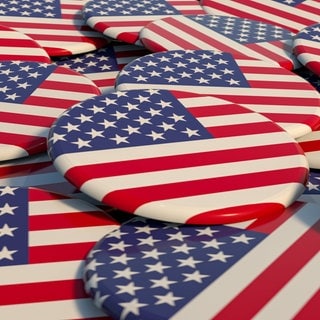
x=45, y=238
x=103, y=65
x=32, y=96
x=244, y=38
x=123, y=20
x=267, y=88
x=151, y=270
x=178, y=157
x=306, y=46
x=289, y=14
x=57, y=25
x=15, y=45
x=310, y=144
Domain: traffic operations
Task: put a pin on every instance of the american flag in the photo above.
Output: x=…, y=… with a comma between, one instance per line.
x=153, y=270
x=15, y=45
x=176, y=157
x=44, y=239
x=32, y=96
x=123, y=19
x=306, y=46
x=293, y=15
x=267, y=88
x=312, y=191
x=244, y=38
x=57, y=25
x=103, y=65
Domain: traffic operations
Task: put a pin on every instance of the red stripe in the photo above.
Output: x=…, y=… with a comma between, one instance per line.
x=273, y=278
x=42, y=291
x=309, y=146
x=310, y=119
x=265, y=84
x=51, y=102
x=39, y=25
x=68, y=220
x=43, y=195
x=266, y=70
x=138, y=196
x=226, y=109
x=70, y=87
x=308, y=8
x=36, y=58
x=19, y=43
x=14, y=170
x=81, y=174
x=310, y=310
x=306, y=49
x=26, y=119
x=60, y=252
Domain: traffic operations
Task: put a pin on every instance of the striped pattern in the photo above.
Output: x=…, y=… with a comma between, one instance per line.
x=24, y=129
x=61, y=231
x=122, y=23
x=18, y=46
x=275, y=92
x=61, y=36
x=310, y=144
x=293, y=18
x=190, y=33
x=250, y=163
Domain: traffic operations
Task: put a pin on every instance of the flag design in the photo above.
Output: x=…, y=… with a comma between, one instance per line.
x=292, y=15
x=275, y=92
x=312, y=191
x=32, y=96
x=306, y=46
x=57, y=25
x=103, y=65
x=148, y=269
x=44, y=239
x=243, y=38
x=176, y=157
x=15, y=45
x=121, y=20
x=310, y=144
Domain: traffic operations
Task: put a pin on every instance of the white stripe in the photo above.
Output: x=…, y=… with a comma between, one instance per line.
x=204, y=101
x=68, y=160
x=13, y=35
x=184, y=208
x=67, y=96
x=24, y=129
x=68, y=235
x=312, y=136
x=102, y=75
x=43, y=21
x=68, y=78
x=53, y=310
x=25, y=51
x=230, y=284
x=9, y=152
x=265, y=108
x=273, y=78
x=295, y=130
x=100, y=187
x=295, y=294
x=45, y=207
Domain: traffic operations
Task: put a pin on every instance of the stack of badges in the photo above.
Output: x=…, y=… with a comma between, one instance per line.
x=159, y=159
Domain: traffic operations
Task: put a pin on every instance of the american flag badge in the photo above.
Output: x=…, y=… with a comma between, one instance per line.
x=15, y=45
x=44, y=240
x=177, y=156
x=147, y=269
x=123, y=20
x=293, y=15
x=32, y=96
x=103, y=65
x=244, y=38
x=312, y=191
x=264, y=87
x=306, y=46
x=57, y=25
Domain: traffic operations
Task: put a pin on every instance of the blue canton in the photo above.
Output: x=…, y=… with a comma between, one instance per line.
x=311, y=33
x=124, y=119
x=242, y=30
x=149, y=267
x=185, y=68
x=102, y=60
x=129, y=8
x=19, y=79
x=292, y=3
x=13, y=226
x=31, y=8
x=313, y=185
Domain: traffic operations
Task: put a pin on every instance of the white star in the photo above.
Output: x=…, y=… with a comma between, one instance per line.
x=164, y=282
x=151, y=63
x=312, y=186
x=206, y=231
x=195, y=276
x=108, y=124
x=154, y=253
x=155, y=135
x=168, y=69
x=119, y=246
x=131, y=106
x=6, y=231
x=116, y=234
x=92, y=283
x=233, y=82
x=182, y=248
x=165, y=104
x=137, y=68
x=34, y=75
x=71, y=127
x=99, y=300
x=191, y=133
x=166, y=126
x=155, y=74
x=189, y=262
x=109, y=101
x=202, y=80
x=6, y=209
x=83, y=118
x=169, y=299
x=145, y=229
x=222, y=61
x=132, y=306
x=94, y=133
x=57, y=137
x=141, y=98
x=82, y=143
x=143, y=121
x=96, y=109
x=184, y=75
x=220, y=256
x=147, y=241
x=132, y=130
x=118, y=139
x=177, y=118
x=158, y=267
x=197, y=70
x=140, y=78
x=214, y=243
x=121, y=259
x=153, y=112
x=242, y=238
x=129, y=288
x=92, y=265
x=5, y=253
x=177, y=236
x=12, y=97
x=7, y=190
x=125, y=273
